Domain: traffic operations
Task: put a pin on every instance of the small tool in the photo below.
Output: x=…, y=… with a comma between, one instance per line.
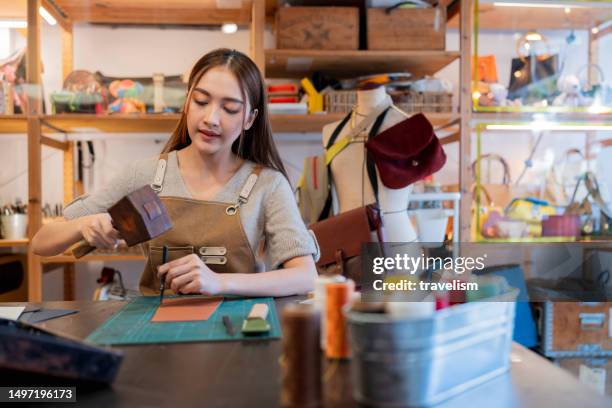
x=139, y=217
x=256, y=322
x=162, y=285
x=228, y=325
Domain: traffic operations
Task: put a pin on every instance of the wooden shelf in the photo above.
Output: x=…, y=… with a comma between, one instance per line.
x=314, y=123
x=13, y=124
x=302, y=123
x=541, y=18
x=13, y=9
x=154, y=123
x=120, y=123
x=552, y=114
x=4, y=243
x=62, y=259
x=184, y=12
x=345, y=64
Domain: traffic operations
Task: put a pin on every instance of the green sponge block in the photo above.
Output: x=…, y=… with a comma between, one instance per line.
x=256, y=322
x=255, y=326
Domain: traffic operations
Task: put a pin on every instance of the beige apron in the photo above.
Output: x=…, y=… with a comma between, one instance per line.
x=212, y=230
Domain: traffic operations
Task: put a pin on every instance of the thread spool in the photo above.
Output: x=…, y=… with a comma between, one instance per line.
x=319, y=300
x=338, y=294
x=442, y=300
x=457, y=296
x=301, y=366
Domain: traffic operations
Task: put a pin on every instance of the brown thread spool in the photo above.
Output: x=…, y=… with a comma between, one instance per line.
x=301, y=364
x=336, y=341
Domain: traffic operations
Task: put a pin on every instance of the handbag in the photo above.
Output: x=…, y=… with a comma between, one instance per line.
x=537, y=79
x=406, y=152
x=341, y=237
x=563, y=184
x=499, y=194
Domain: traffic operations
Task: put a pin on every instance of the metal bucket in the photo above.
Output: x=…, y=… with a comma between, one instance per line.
x=418, y=362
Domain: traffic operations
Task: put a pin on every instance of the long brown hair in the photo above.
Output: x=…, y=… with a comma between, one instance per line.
x=255, y=144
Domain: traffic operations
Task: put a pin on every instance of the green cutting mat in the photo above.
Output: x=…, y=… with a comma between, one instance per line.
x=132, y=324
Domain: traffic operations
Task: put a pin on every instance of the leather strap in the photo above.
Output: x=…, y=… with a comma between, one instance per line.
x=332, y=139
x=369, y=161
x=339, y=258
x=337, y=130
x=243, y=197
x=332, y=148
x=249, y=184
x=160, y=173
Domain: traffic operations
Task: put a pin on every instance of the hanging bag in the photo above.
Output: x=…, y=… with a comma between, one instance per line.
x=314, y=187
x=340, y=238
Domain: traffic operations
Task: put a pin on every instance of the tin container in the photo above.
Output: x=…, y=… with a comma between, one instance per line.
x=419, y=362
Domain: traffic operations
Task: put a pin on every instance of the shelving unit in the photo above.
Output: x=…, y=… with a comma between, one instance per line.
x=273, y=63
x=569, y=15
x=68, y=12
x=13, y=124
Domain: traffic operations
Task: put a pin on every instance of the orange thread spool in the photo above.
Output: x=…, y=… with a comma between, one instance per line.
x=336, y=341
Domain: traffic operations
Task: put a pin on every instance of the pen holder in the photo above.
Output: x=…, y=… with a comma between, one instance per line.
x=14, y=226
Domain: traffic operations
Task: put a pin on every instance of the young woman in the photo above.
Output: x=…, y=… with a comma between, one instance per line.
x=225, y=189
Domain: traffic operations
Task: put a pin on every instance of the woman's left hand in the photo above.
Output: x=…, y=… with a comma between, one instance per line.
x=190, y=274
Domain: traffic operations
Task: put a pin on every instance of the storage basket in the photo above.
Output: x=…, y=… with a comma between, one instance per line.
x=408, y=101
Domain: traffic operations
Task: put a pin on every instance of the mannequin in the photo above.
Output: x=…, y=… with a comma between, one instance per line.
x=352, y=187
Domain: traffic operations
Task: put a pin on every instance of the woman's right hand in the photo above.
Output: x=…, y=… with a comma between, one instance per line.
x=98, y=231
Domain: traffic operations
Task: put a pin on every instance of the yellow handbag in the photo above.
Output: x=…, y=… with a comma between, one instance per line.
x=531, y=211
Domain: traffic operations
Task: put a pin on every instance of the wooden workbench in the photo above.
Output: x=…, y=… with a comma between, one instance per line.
x=235, y=374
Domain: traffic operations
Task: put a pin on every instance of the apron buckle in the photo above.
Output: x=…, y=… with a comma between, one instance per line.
x=214, y=260
x=232, y=209
x=211, y=251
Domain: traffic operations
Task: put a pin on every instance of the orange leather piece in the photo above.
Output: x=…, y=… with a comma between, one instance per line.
x=182, y=309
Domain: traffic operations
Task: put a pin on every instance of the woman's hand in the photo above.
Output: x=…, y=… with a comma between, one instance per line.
x=98, y=231
x=190, y=274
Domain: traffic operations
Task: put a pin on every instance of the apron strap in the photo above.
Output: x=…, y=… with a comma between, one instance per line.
x=160, y=173
x=243, y=197
x=249, y=184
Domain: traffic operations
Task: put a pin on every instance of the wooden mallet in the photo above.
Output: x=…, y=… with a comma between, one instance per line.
x=139, y=217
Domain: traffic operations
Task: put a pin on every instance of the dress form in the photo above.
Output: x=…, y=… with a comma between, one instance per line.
x=352, y=187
